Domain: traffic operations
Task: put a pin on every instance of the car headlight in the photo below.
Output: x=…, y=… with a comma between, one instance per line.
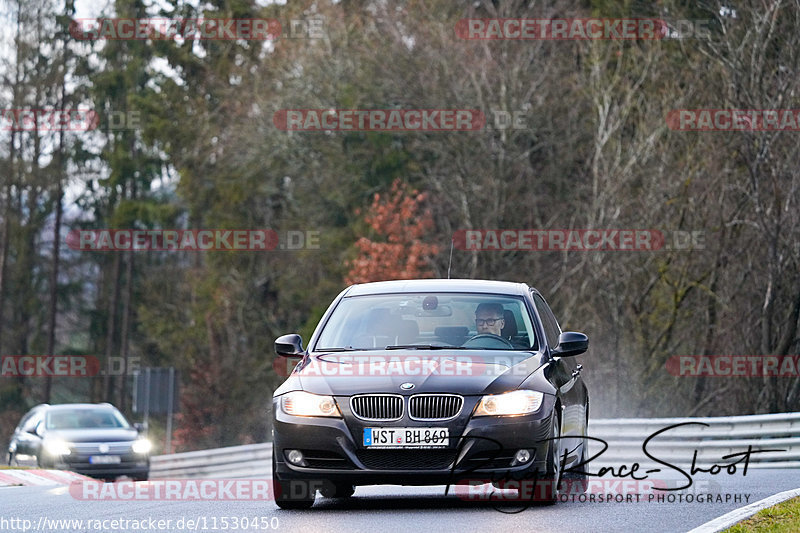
x=56, y=447
x=142, y=446
x=518, y=402
x=300, y=403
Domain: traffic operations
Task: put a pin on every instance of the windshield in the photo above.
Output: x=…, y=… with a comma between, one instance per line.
x=85, y=419
x=428, y=321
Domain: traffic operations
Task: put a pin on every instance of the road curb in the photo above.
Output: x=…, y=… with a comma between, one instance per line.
x=737, y=515
x=34, y=477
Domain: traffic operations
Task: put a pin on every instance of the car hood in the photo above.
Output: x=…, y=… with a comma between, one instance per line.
x=93, y=435
x=459, y=371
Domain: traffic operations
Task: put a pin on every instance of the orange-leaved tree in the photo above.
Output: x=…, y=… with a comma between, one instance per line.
x=399, y=221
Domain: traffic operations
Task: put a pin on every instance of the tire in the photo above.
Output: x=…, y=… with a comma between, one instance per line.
x=282, y=490
x=547, y=485
x=540, y=488
x=337, y=490
x=579, y=482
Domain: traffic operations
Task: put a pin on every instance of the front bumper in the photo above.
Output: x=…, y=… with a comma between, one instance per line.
x=481, y=448
x=131, y=465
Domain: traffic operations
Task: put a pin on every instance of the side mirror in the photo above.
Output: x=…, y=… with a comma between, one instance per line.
x=141, y=428
x=290, y=345
x=571, y=343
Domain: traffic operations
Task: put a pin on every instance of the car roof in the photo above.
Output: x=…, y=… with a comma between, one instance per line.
x=438, y=285
x=81, y=406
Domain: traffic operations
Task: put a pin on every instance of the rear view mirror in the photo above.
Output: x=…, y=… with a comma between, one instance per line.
x=438, y=311
x=571, y=343
x=290, y=345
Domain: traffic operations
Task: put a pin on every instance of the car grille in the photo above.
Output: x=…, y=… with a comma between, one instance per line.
x=407, y=459
x=114, y=448
x=377, y=406
x=434, y=406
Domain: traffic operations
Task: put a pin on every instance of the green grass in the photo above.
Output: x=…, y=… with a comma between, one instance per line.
x=4, y=467
x=781, y=518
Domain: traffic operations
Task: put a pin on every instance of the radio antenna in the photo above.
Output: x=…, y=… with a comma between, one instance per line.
x=450, y=263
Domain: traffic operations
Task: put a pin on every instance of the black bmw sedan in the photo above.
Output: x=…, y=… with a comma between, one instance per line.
x=91, y=439
x=429, y=382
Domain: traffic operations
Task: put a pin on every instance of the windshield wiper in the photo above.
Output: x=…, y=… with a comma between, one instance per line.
x=423, y=347
x=345, y=349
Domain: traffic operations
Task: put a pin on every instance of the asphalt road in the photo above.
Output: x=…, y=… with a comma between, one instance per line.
x=379, y=509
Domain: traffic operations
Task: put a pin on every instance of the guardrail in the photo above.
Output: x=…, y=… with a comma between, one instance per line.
x=625, y=437
x=250, y=460
x=720, y=436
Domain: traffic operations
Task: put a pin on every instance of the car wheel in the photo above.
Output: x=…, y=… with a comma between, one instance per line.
x=546, y=490
x=285, y=498
x=337, y=490
x=574, y=478
x=579, y=483
x=142, y=477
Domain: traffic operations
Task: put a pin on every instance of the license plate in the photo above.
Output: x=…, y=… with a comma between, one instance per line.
x=406, y=437
x=105, y=459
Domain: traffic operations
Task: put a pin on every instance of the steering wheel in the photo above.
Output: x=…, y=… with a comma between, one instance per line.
x=487, y=340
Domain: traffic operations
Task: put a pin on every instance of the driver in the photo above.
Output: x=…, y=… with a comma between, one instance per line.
x=489, y=319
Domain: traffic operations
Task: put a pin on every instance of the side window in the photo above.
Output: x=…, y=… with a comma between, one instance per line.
x=549, y=323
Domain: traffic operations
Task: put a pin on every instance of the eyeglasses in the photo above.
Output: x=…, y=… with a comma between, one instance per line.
x=486, y=321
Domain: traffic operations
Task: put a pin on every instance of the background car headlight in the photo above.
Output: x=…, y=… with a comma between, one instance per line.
x=56, y=447
x=142, y=446
x=299, y=403
x=518, y=402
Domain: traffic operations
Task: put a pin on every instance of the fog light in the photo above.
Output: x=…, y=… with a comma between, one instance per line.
x=295, y=457
x=522, y=456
